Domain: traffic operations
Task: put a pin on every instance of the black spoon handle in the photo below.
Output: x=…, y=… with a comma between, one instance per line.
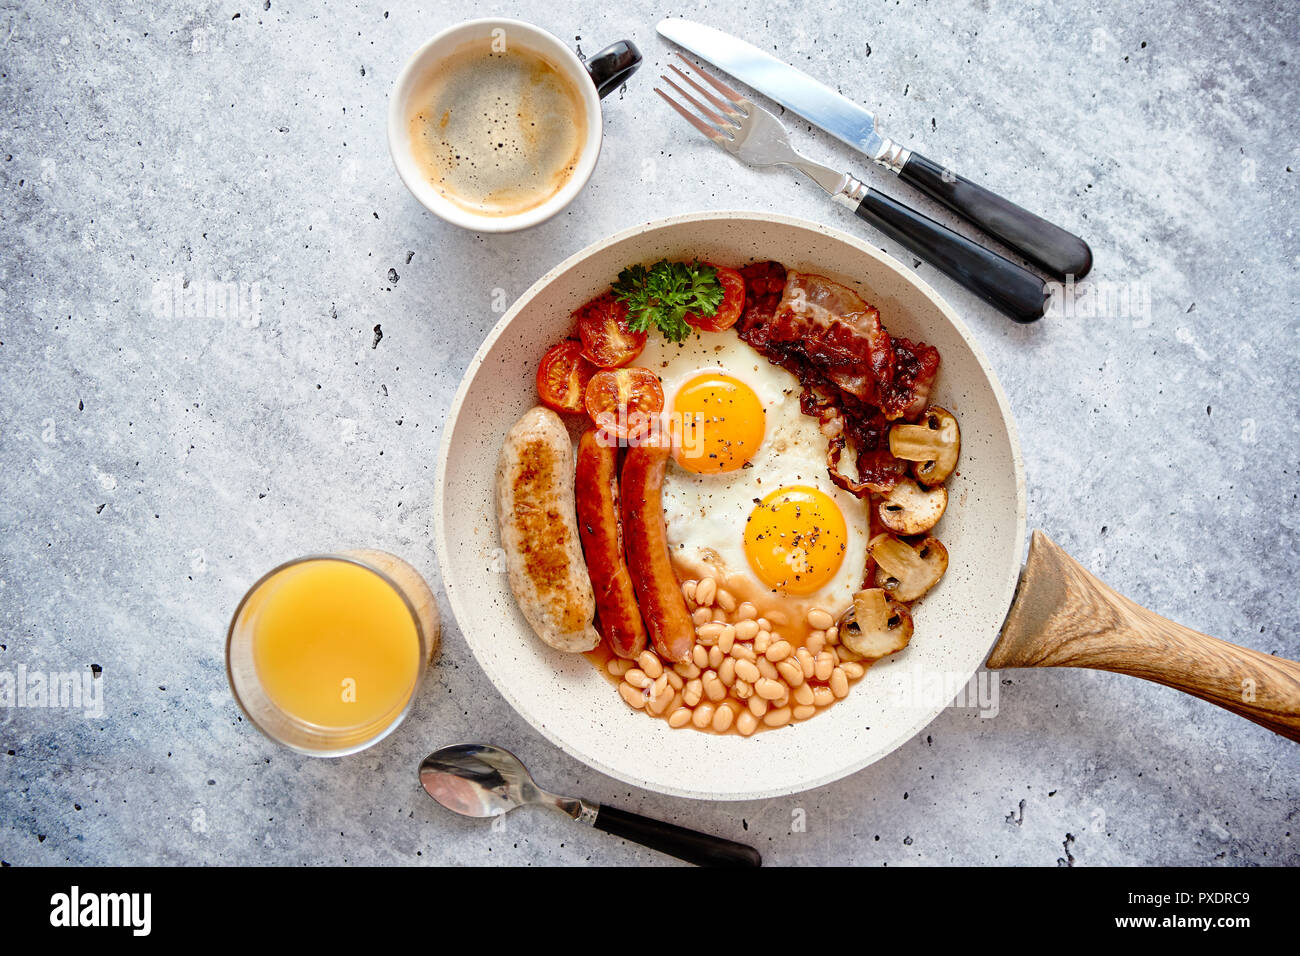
x=689, y=845
x=1008, y=287
x=1059, y=252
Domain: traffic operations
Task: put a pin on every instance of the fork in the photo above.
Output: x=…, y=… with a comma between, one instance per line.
x=758, y=138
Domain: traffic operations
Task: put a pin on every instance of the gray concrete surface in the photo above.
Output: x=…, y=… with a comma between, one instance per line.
x=151, y=466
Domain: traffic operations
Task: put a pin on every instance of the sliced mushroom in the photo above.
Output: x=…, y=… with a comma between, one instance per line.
x=907, y=572
x=932, y=445
x=911, y=509
x=875, y=625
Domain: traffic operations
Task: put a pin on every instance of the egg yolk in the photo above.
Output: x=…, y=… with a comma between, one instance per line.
x=795, y=539
x=718, y=424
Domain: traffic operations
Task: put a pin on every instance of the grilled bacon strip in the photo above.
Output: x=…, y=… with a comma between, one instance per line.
x=856, y=378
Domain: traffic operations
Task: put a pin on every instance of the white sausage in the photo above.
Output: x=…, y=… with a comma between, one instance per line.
x=539, y=532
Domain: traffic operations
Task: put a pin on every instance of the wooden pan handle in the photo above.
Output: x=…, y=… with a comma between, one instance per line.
x=1064, y=617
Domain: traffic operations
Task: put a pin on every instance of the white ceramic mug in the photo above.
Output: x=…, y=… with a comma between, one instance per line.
x=593, y=79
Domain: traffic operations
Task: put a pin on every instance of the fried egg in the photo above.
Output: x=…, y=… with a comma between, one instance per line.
x=747, y=495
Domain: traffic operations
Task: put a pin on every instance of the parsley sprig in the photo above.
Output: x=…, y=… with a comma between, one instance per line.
x=662, y=295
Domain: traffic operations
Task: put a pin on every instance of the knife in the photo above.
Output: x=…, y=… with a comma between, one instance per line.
x=1058, y=252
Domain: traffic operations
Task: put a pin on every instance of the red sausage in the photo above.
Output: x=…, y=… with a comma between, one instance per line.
x=660, y=596
x=596, y=488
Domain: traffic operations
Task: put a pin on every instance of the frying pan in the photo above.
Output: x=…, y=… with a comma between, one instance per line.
x=1052, y=613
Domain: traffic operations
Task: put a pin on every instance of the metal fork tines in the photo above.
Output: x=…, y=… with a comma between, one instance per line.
x=755, y=136
x=749, y=132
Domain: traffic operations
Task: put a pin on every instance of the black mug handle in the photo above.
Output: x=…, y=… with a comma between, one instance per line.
x=610, y=68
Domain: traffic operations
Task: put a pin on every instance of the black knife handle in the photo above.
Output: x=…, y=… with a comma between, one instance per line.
x=1059, y=252
x=1001, y=283
x=689, y=845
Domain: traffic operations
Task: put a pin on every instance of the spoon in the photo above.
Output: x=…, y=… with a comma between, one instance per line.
x=479, y=780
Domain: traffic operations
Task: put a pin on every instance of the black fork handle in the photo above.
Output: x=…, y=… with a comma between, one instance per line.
x=1010, y=288
x=1060, y=253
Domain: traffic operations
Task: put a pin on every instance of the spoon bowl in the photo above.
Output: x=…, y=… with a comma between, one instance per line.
x=476, y=780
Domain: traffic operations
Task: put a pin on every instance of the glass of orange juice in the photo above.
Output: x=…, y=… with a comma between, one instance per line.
x=325, y=652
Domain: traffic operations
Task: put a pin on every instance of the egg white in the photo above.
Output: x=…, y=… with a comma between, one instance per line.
x=706, y=514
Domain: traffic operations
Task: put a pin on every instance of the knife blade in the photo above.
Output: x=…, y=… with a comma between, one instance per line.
x=792, y=88
x=1054, y=249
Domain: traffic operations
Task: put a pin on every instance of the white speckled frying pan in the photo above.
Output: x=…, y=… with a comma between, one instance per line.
x=1060, y=616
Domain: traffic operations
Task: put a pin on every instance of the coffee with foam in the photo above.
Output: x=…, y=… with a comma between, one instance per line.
x=497, y=132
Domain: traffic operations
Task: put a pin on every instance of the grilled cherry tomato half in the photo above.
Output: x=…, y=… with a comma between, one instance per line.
x=606, y=338
x=733, y=303
x=562, y=377
x=624, y=402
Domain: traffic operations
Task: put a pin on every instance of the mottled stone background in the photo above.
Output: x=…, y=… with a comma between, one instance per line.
x=152, y=467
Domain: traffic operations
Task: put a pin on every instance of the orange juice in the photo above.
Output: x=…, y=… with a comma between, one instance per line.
x=334, y=644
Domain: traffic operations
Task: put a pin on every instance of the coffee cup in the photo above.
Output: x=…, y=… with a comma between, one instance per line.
x=495, y=125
